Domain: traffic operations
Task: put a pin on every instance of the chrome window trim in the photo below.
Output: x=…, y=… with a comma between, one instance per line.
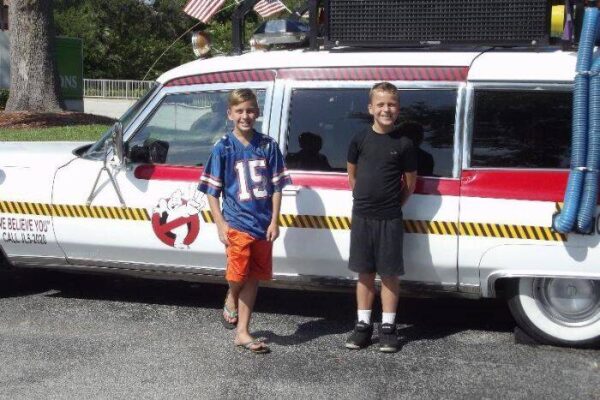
x=470, y=114
x=458, y=128
x=290, y=85
x=150, y=101
x=467, y=126
x=277, y=102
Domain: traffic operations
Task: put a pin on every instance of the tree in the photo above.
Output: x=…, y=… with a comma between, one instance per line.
x=34, y=82
x=123, y=38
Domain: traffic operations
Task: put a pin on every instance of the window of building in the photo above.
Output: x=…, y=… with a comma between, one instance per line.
x=188, y=125
x=521, y=129
x=323, y=121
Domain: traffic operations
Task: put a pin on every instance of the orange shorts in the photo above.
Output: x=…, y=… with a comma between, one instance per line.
x=248, y=257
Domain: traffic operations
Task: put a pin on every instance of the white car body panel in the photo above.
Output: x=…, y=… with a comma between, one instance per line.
x=50, y=174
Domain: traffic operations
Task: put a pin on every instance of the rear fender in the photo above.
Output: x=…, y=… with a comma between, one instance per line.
x=534, y=260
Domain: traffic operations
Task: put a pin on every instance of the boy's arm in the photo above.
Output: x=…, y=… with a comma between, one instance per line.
x=351, y=174
x=410, y=182
x=273, y=229
x=222, y=226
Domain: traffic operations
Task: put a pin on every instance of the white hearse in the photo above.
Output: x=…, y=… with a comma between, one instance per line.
x=493, y=130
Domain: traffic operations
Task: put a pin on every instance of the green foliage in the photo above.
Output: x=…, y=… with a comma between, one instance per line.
x=3, y=98
x=87, y=133
x=123, y=38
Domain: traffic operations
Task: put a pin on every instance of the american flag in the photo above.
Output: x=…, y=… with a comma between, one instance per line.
x=266, y=8
x=203, y=10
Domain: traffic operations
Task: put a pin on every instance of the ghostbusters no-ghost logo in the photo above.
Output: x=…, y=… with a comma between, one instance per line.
x=175, y=219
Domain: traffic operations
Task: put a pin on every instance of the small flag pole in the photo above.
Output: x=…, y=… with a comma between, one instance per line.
x=182, y=35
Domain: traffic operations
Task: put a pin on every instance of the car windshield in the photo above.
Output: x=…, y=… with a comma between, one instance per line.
x=97, y=150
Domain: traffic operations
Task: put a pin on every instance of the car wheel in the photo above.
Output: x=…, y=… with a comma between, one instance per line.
x=557, y=310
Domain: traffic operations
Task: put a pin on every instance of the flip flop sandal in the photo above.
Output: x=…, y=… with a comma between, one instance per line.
x=230, y=314
x=251, y=347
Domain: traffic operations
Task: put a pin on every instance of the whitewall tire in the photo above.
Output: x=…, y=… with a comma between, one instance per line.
x=557, y=310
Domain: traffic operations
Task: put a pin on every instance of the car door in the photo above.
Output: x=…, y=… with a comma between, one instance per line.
x=319, y=118
x=162, y=221
x=515, y=170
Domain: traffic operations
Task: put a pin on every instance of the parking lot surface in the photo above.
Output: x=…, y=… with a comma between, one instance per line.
x=100, y=337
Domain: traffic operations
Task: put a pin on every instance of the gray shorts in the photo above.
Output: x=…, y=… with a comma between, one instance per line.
x=376, y=246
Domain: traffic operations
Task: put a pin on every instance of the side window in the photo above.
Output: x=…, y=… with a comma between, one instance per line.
x=323, y=121
x=521, y=129
x=186, y=126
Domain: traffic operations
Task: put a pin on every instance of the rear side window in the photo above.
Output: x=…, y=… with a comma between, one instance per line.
x=521, y=129
x=323, y=121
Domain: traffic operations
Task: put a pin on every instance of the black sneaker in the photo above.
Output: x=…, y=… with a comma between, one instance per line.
x=388, y=338
x=361, y=337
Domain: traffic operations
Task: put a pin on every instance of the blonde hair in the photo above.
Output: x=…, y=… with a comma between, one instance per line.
x=239, y=96
x=383, y=87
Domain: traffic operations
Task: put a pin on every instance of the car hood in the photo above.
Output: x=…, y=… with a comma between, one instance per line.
x=37, y=154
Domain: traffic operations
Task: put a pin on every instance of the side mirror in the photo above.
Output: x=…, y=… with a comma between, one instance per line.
x=152, y=151
x=117, y=143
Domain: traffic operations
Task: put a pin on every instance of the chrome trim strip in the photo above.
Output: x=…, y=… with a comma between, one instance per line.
x=467, y=126
x=211, y=275
x=368, y=84
x=277, y=105
x=495, y=276
x=469, y=288
x=458, y=129
x=38, y=261
x=564, y=86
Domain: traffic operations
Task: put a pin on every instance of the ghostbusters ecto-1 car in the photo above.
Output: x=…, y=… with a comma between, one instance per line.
x=493, y=130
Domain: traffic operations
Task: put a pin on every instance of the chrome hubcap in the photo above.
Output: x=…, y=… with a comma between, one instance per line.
x=569, y=302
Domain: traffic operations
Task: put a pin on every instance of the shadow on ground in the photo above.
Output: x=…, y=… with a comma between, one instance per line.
x=330, y=313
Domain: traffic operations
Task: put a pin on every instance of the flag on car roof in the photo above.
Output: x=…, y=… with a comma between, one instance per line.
x=266, y=8
x=203, y=10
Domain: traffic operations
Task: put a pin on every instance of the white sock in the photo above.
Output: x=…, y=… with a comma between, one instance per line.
x=388, y=318
x=364, y=316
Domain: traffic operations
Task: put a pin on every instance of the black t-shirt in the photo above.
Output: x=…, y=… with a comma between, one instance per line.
x=380, y=160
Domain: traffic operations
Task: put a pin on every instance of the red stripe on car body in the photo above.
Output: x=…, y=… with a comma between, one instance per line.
x=425, y=185
x=224, y=77
x=515, y=184
x=377, y=73
x=329, y=73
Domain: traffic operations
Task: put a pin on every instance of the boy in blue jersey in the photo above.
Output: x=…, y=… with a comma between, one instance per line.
x=247, y=168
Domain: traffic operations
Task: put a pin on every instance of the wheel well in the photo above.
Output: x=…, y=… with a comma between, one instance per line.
x=503, y=286
x=4, y=263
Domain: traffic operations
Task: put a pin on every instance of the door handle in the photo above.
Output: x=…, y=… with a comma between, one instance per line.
x=291, y=190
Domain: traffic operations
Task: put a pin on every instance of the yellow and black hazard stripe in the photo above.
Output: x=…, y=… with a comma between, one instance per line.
x=473, y=229
x=510, y=231
x=74, y=211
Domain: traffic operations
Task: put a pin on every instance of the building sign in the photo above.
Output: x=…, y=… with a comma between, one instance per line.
x=69, y=61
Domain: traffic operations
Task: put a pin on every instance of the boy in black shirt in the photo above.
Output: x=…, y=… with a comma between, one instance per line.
x=382, y=173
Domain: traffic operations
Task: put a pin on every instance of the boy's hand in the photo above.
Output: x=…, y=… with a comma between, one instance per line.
x=272, y=232
x=223, y=228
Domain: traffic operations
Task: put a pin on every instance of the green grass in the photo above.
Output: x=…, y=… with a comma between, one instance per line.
x=84, y=133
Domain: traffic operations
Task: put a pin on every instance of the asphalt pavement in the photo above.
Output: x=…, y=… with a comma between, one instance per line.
x=68, y=336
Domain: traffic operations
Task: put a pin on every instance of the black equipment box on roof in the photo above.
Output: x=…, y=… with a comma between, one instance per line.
x=395, y=23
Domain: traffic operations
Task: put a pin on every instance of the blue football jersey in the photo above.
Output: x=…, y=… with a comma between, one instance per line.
x=247, y=177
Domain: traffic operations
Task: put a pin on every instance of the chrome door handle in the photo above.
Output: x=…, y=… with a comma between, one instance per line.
x=291, y=190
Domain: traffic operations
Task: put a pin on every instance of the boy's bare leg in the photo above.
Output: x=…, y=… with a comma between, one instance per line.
x=231, y=301
x=365, y=291
x=247, y=296
x=390, y=292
